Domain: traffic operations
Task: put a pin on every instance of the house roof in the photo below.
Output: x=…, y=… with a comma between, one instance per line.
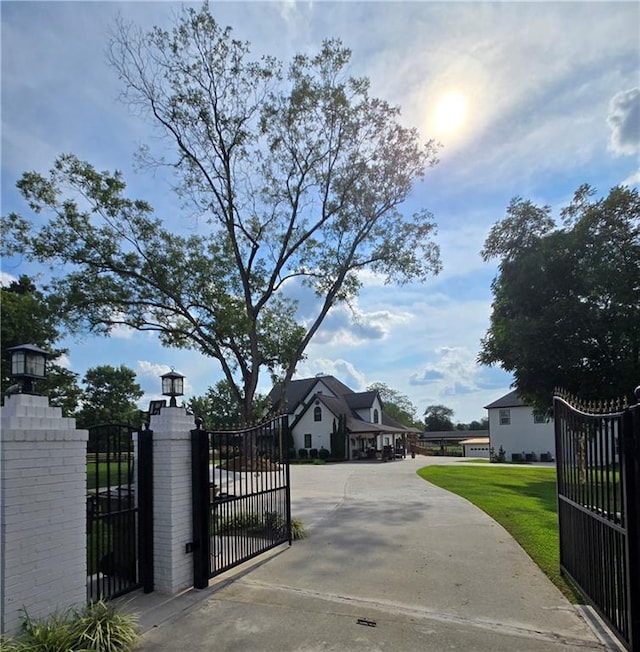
x=479, y=441
x=451, y=435
x=298, y=390
x=512, y=399
x=345, y=402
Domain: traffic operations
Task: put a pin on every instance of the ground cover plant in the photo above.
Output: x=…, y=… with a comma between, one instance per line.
x=522, y=499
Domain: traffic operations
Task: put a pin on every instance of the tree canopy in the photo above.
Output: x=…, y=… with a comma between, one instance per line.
x=397, y=405
x=291, y=177
x=30, y=316
x=566, y=309
x=219, y=408
x=438, y=417
x=109, y=396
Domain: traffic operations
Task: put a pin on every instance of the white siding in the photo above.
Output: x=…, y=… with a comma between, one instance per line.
x=522, y=435
x=320, y=430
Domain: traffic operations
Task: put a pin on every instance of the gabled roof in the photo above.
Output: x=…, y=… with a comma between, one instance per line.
x=298, y=390
x=512, y=399
x=360, y=400
x=345, y=402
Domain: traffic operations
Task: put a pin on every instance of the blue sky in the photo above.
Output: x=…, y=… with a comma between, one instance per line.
x=551, y=100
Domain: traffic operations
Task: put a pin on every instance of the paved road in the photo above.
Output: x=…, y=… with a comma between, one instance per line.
x=391, y=563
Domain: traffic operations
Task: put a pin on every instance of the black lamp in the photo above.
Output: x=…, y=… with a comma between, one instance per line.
x=28, y=363
x=172, y=385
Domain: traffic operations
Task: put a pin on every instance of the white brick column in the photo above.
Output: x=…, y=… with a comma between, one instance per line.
x=43, y=514
x=172, y=510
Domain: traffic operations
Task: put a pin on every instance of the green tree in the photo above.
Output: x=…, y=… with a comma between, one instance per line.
x=219, y=407
x=438, y=417
x=297, y=173
x=109, y=396
x=29, y=316
x=396, y=405
x=566, y=309
x=339, y=438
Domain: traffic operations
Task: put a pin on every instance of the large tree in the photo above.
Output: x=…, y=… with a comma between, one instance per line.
x=109, y=396
x=219, y=407
x=295, y=174
x=566, y=309
x=438, y=417
x=30, y=316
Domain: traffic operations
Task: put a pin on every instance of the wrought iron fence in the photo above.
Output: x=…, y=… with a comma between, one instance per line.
x=241, y=495
x=598, y=466
x=119, y=512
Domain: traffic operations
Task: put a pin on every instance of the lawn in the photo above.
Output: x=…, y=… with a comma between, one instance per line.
x=522, y=499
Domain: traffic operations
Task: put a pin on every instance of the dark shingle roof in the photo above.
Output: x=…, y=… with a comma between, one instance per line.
x=298, y=389
x=345, y=402
x=508, y=400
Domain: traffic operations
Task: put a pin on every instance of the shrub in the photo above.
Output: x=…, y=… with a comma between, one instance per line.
x=95, y=628
x=100, y=628
x=292, y=453
x=313, y=453
x=303, y=453
x=298, y=530
x=324, y=454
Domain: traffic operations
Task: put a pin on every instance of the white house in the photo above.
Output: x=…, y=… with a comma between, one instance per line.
x=523, y=434
x=316, y=406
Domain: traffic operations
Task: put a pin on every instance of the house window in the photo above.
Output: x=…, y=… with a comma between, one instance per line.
x=538, y=417
x=376, y=416
x=505, y=417
x=307, y=440
x=317, y=413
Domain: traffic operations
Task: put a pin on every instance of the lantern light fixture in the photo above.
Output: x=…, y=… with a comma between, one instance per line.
x=28, y=364
x=172, y=385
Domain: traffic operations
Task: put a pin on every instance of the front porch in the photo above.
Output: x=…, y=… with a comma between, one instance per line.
x=377, y=446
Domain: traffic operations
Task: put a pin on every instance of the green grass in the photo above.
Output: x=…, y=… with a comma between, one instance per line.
x=522, y=500
x=105, y=474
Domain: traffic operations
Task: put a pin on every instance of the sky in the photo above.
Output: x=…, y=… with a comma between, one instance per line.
x=527, y=99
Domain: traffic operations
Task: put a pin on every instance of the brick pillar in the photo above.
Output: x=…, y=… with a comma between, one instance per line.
x=172, y=511
x=43, y=514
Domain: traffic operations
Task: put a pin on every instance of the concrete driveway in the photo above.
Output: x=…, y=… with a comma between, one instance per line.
x=391, y=563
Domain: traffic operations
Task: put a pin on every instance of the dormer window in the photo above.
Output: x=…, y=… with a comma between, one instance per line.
x=317, y=413
x=376, y=416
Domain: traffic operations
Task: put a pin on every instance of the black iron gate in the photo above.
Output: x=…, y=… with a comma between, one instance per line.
x=598, y=464
x=119, y=512
x=241, y=496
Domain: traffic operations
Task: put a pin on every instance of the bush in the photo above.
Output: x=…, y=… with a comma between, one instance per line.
x=303, y=453
x=313, y=453
x=95, y=628
x=292, y=453
x=324, y=454
x=298, y=531
x=100, y=628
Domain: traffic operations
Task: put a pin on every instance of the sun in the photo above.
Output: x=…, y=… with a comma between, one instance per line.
x=450, y=112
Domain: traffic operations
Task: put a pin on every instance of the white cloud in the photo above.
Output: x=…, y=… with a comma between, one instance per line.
x=633, y=179
x=342, y=369
x=6, y=279
x=152, y=369
x=353, y=326
x=624, y=121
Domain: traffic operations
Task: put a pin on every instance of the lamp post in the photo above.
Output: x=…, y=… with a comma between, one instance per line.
x=172, y=385
x=28, y=364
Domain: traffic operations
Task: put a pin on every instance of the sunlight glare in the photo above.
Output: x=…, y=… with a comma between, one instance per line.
x=450, y=113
